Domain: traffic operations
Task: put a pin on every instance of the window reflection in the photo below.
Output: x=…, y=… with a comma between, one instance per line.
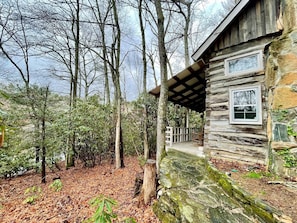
x=245, y=104
x=243, y=63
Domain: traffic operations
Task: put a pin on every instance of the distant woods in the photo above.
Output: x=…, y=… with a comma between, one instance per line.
x=99, y=51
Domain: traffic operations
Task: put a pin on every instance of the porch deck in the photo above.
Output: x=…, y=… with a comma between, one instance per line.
x=187, y=147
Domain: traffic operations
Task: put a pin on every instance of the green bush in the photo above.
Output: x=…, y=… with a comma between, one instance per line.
x=103, y=212
x=289, y=159
x=254, y=175
x=56, y=185
x=32, y=193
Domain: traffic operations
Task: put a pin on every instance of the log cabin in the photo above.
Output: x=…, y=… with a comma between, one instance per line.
x=244, y=77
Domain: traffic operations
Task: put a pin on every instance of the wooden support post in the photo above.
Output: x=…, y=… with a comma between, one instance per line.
x=149, y=181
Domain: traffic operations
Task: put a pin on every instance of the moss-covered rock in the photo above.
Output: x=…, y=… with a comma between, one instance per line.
x=194, y=191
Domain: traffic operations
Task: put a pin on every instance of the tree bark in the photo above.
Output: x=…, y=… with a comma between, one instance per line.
x=43, y=134
x=75, y=29
x=115, y=68
x=162, y=106
x=146, y=151
x=149, y=181
x=101, y=22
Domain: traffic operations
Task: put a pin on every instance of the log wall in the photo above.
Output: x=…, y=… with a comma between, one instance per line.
x=246, y=143
x=254, y=29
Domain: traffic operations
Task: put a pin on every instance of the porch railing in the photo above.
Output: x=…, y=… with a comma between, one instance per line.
x=177, y=134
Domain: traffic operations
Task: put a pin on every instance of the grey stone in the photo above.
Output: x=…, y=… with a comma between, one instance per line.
x=190, y=195
x=280, y=133
x=196, y=192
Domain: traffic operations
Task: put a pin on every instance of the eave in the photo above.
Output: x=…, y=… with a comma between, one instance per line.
x=187, y=88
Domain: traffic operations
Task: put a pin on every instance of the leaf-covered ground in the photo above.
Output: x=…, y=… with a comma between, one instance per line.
x=80, y=185
x=71, y=204
x=278, y=192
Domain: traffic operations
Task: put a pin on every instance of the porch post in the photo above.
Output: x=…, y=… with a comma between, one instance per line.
x=187, y=118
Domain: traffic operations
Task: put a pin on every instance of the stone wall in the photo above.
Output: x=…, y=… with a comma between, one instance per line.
x=192, y=191
x=281, y=82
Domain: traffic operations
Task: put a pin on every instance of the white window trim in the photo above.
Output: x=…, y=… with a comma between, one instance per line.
x=257, y=121
x=260, y=66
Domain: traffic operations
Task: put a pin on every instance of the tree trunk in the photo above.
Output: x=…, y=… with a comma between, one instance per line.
x=2, y=132
x=122, y=149
x=118, y=159
x=75, y=32
x=115, y=70
x=144, y=61
x=43, y=135
x=43, y=173
x=149, y=181
x=152, y=62
x=146, y=150
x=164, y=87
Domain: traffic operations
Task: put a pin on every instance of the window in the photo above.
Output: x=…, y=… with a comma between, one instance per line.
x=247, y=63
x=246, y=106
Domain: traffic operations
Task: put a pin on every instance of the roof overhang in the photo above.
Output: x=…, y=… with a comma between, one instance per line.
x=220, y=28
x=187, y=88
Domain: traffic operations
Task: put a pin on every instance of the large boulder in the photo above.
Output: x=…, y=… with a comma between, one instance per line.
x=193, y=191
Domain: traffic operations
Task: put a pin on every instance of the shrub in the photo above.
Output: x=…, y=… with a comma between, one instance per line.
x=56, y=185
x=32, y=193
x=104, y=212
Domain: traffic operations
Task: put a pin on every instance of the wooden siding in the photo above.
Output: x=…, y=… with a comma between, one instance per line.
x=260, y=19
x=246, y=143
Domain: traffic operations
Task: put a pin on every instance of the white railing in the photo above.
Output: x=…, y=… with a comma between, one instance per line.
x=177, y=134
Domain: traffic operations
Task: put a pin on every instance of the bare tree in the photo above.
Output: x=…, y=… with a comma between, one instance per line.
x=88, y=71
x=17, y=46
x=146, y=151
x=61, y=41
x=164, y=87
x=115, y=68
x=187, y=17
x=102, y=12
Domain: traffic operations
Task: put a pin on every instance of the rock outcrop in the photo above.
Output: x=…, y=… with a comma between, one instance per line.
x=193, y=191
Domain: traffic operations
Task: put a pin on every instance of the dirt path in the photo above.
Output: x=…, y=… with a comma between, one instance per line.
x=71, y=203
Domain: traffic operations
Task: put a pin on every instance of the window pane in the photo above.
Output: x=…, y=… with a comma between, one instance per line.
x=250, y=115
x=244, y=63
x=245, y=112
x=245, y=97
x=245, y=105
x=239, y=115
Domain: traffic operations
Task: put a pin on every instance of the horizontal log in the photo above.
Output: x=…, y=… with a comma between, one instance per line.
x=220, y=98
x=248, y=150
x=234, y=157
x=237, y=140
x=216, y=65
x=236, y=82
x=220, y=76
x=220, y=126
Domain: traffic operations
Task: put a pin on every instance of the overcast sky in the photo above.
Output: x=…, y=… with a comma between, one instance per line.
x=130, y=84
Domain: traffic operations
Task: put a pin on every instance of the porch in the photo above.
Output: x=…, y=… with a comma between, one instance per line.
x=187, y=140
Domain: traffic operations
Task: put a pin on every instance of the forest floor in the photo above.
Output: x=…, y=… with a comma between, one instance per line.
x=80, y=185
x=71, y=204
x=278, y=192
